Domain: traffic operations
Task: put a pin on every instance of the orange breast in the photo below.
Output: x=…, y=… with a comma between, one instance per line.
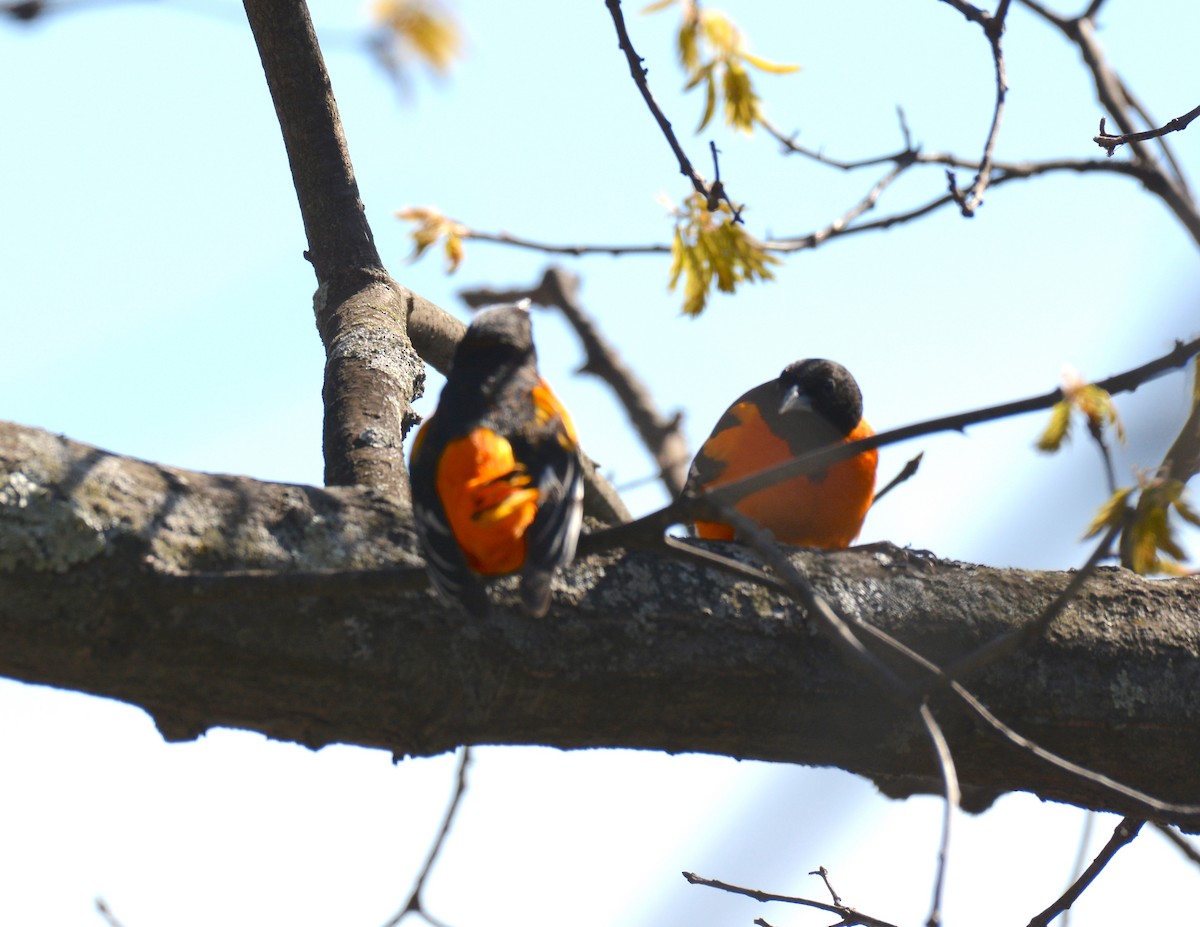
x=826, y=512
x=488, y=501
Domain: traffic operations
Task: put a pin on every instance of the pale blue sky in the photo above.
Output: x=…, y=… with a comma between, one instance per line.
x=157, y=304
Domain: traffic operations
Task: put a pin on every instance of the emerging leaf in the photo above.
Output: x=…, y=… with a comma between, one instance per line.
x=712, y=52
x=1095, y=404
x=424, y=31
x=710, y=246
x=1149, y=545
x=741, y=102
x=1057, y=428
x=1111, y=513
x=433, y=227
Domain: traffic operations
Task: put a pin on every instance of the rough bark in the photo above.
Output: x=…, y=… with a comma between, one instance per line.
x=371, y=370
x=301, y=613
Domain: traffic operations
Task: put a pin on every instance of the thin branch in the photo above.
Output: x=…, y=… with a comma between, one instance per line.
x=714, y=194
x=906, y=473
x=953, y=797
x=105, y=912
x=1112, y=142
x=1118, y=103
x=414, y=904
x=662, y=436
x=1124, y=834
x=516, y=241
x=1003, y=172
x=848, y=915
x=993, y=27
x=841, y=224
x=824, y=874
x=1085, y=839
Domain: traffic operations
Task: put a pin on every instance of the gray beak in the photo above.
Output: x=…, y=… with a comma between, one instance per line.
x=795, y=401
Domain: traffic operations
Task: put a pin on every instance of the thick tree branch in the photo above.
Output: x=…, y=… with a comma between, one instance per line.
x=371, y=371
x=299, y=612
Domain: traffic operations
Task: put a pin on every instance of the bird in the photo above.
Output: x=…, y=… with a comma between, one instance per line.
x=811, y=404
x=496, y=471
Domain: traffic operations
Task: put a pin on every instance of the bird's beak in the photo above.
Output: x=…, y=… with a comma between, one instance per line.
x=795, y=401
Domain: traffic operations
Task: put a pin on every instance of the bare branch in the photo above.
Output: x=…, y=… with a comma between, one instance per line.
x=1126, y=831
x=971, y=199
x=841, y=224
x=953, y=798
x=1113, y=142
x=515, y=241
x=414, y=904
x=714, y=194
x=106, y=913
x=907, y=472
x=848, y=915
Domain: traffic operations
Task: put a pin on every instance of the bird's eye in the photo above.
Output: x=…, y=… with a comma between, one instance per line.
x=825, y=385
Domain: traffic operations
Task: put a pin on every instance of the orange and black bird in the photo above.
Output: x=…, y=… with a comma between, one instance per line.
x=811, y=404
x=497, y=479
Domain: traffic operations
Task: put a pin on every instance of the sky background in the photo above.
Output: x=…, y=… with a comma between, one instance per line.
x=156, y=304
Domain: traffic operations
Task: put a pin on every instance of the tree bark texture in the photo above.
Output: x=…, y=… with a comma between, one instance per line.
x=302, y=613
x=371, y=370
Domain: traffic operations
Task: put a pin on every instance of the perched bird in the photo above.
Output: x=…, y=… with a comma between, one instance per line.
x=497, y=480
x=812, y=403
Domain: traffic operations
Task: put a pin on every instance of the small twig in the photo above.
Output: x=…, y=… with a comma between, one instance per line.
x=1123, y=835
x=971, y=199
x=105, y=912
x=907, y=473
x=849, y=916
x=713, y=195
x=515, y=241
x=842, y=222
x=953, y=796
x=1112, y=142
x=1096, y=430
x=413, y=905
x=824, y=874
x=1085, y=839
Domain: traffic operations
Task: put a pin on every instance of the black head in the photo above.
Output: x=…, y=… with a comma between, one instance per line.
x=505, y=327
x=823, y=387
x=501, y=336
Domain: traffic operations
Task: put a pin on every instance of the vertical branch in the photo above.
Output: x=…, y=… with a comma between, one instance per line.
x=371, y=372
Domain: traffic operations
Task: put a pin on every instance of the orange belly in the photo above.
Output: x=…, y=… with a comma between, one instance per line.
x=826, y=512
x=488, y=501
